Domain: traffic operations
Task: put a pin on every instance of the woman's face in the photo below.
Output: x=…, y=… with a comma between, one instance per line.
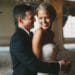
x=44, y=19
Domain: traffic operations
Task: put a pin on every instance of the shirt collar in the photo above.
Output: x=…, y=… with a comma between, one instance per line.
x=24, y=29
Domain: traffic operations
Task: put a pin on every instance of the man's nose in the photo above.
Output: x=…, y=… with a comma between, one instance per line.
x=44, y=20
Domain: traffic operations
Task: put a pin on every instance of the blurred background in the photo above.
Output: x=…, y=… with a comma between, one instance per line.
x=64, y=29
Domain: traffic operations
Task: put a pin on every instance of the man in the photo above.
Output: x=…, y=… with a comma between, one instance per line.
x=24, y=61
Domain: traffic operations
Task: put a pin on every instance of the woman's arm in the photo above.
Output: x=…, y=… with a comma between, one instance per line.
x=36, y=43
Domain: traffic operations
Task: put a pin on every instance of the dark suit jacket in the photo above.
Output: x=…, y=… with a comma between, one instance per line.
x=24, y=61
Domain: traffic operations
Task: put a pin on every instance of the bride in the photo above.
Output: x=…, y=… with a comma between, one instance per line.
x=43, y=45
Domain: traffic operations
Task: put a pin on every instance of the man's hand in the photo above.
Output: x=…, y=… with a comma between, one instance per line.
x=65, y=66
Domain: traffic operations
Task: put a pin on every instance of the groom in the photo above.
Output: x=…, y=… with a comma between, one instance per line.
x=24, y=61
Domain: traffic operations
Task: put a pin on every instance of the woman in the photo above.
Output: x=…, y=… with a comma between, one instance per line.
x=42, y=42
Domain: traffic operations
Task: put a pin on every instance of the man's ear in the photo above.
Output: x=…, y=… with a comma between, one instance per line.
x=20, y=20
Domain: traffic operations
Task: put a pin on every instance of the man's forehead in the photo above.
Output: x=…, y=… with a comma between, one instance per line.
x=29, y=13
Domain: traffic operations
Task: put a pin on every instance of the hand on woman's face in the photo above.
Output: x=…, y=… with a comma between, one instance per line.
x=44, y=19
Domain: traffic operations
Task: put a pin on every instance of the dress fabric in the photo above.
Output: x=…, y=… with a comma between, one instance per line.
x=47, y=52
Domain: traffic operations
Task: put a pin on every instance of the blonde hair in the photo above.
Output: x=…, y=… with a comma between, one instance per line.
x=48, y=7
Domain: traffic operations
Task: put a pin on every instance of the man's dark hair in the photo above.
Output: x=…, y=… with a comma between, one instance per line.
x=20, y=10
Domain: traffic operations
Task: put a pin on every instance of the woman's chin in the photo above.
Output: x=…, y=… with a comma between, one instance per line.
x=45, y=28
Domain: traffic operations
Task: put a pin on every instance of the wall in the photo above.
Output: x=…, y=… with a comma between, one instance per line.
x=6, y=24
x=58, y=29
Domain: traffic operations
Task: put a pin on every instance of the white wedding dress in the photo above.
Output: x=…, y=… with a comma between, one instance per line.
x=47, y=52
x=47, y=49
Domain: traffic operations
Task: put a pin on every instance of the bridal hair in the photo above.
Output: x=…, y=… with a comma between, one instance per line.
x=48, y=7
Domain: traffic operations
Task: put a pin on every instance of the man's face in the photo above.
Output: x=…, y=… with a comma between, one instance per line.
x=28, y=20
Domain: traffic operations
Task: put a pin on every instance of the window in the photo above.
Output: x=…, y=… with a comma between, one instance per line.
x=69, y=27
